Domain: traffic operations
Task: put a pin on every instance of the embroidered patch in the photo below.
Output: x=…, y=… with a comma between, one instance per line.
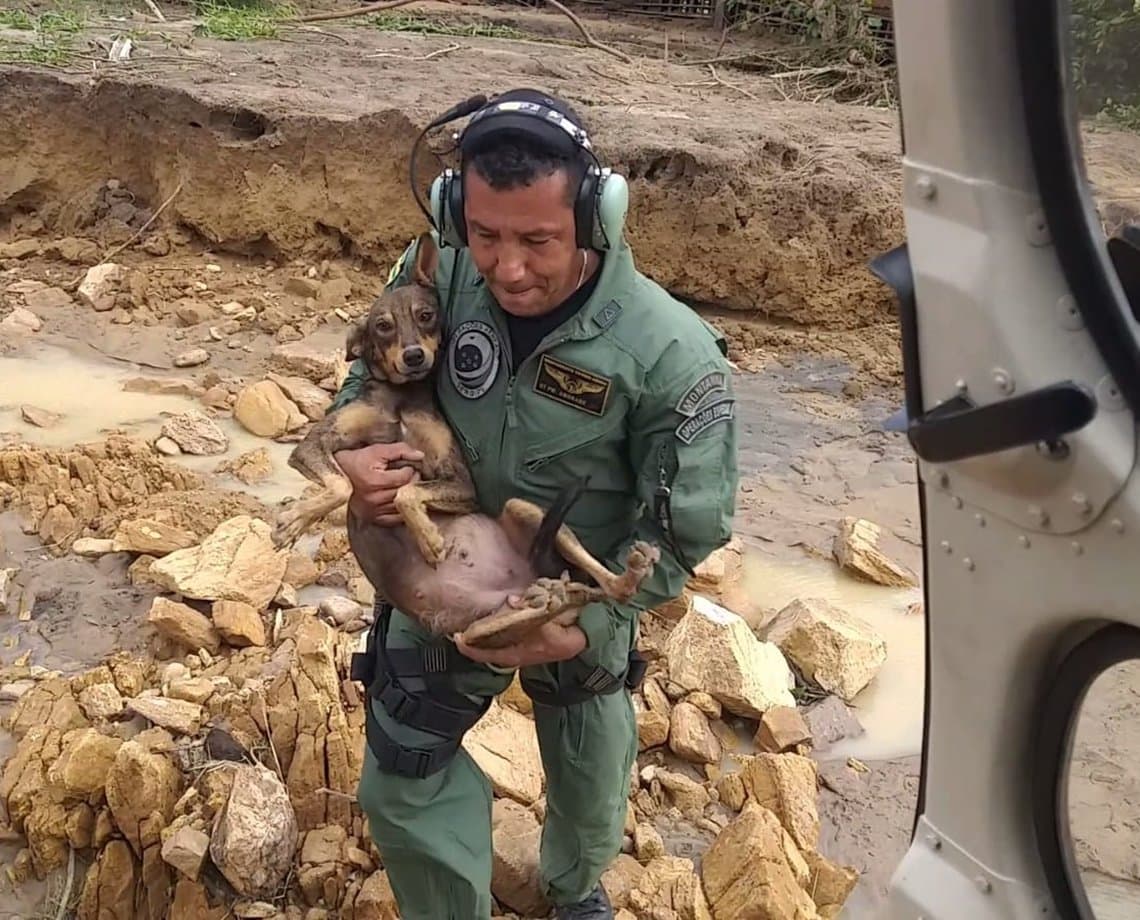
x=720, y=411
x=712, y=382
x=572, y=386
x=606, y=316
x=397, y=267
x=473, y=358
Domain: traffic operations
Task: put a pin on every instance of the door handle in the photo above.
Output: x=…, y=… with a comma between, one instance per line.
x=958, y=429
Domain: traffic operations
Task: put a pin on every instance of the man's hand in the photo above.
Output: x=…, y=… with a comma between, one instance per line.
x=375, y=480
x=549, y=643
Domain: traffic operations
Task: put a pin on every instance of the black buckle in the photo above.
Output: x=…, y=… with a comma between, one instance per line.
x=413, y=762
x=635, y=672
x=398, y=703
x=362, y=667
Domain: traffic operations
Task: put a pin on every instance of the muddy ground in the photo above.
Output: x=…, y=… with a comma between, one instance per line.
x=279, y=168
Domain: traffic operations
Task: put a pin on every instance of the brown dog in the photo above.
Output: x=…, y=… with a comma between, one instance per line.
x=451, y=568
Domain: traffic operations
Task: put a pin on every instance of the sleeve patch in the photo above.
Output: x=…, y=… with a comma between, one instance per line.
x=711, y=383
x=720, y=411
x=398, y=266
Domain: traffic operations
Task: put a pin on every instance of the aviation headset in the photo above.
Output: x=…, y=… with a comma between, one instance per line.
x=602, y=198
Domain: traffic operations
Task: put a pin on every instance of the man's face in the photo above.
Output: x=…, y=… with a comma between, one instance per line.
x=522, y=241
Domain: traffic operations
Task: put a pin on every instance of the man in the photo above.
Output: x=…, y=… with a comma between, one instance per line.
x=560, y=360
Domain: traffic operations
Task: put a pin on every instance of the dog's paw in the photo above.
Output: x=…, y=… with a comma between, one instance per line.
x=290, y=526
x=642, y=558
x=432, y=547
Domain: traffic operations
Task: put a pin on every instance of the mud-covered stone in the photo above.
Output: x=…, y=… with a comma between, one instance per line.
x=690, y=735
x=856, y=549
x=515, y=880
x=239, y=624
x=786, y=784
x=504, y=745
x=183, y=625
x=781, y=729
x=831, y=647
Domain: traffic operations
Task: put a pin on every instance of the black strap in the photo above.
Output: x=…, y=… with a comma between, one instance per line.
x=409, y=762
x=599, y=682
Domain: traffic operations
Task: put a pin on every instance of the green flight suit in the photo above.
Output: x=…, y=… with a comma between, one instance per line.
x=635, y=391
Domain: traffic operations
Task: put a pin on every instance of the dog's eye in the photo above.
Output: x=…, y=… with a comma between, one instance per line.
x=384, y=325
x=425, y=316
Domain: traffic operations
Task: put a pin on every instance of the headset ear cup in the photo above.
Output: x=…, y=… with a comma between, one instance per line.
x=457, y=221
x=443, y=209
x=585, y=210
x=611, y=202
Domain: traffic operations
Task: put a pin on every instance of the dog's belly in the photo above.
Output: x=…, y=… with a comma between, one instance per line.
x=481, y=570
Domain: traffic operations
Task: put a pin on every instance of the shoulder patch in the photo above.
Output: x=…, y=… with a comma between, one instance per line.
x=710, y=383
x=605, y=317
x=398, y=266
x=572, y=386
x=720, y=411
x=473, y=358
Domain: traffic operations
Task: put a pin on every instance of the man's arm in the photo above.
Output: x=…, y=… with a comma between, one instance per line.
x=688, y=446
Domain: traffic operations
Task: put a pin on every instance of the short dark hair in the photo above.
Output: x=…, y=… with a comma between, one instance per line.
x=518, y=162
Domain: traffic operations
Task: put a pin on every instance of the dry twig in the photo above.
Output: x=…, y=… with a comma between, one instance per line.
x=439, y=52
x=739, y=89
x=359, y=11
x=141, y=230
x=586, y=36
x=153, y=7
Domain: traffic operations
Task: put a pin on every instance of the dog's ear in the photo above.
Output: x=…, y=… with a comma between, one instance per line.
x=354, y=343
x=427, y=260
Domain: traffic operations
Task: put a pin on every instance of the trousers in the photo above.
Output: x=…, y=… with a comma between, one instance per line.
x=434, y=833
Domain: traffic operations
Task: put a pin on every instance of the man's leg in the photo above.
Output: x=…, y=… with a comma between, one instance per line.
x=587, y=752
x=433, y=833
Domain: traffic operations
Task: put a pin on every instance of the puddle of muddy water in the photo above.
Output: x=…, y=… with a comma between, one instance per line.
x=90, y=397
x=890, y=708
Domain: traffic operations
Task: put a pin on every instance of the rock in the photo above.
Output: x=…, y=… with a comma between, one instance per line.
x=239, y=623
x=832, y=648
x=100, y=286
x=40, y=418
x=334, y=293
x=516, y=697
x=109, y=886
x=515, y=881
x=191, y=689
x=162, y=386
x=786, y=785
x=309, y=398
x=58, y=526
x=856, y=549
x=85, y=761
x=302, y=287
x=831, y=720
x=51, y=298
x=191, y=313
x=186, y=850
x=92, y=547
x=75, y=250
x=196, y=434
x=652, y=729
x=376, y=900
x=504, y=746
x=339, y=609
x=251, y=467
x=730, y=788
x=300, y=570
x=101, y=701
x=781, y=729
x=20, y=322
x=690, y=736
x=238, y=311
x=255, y=834
x=647, y=843
x=177, y=715
x=192, y=903
x=248, y=909
x=670, y=889
x=167, y=447
x=718, y=570
x=714, y=650
x=303, y=360
x=831, y=884
x=264, y=410
x=687, y=794
x=183, y=625
x=236, y=562
x=19, y=249
x=705, y=703
x=151, y=537
x=324, y=845
x=10, y=693
x=747, y=873
x=7, y=594
x=655, y=697
x=192, y=358
x=621, y=878
x=141, y=783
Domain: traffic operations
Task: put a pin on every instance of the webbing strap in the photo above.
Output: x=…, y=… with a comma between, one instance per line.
x=599, y=682
x=413, y=763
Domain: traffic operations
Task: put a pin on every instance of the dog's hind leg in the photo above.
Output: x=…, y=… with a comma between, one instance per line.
x=521, y=519
x=355, y=425
x=447, y=496
x=545, y=600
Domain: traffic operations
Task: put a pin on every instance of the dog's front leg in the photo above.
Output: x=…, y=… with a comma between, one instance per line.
x=447, y=496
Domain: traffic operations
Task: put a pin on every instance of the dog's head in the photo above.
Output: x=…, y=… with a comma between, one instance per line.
x=400, y=336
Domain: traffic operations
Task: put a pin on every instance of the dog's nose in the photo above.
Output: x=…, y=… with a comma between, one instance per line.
x=414, y=356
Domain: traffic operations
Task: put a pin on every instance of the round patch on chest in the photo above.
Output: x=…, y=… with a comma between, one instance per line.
x=473, y=358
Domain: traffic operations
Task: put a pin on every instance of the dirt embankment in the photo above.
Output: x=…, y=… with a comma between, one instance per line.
x=746, y=202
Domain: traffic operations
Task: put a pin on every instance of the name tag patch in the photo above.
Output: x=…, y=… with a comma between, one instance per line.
x=712, y=382
x=572, y=386
x=720, y=411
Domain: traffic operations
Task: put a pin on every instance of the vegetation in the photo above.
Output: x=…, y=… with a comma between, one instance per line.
x=53, y=34
x=1106, y=66
x=241, y=20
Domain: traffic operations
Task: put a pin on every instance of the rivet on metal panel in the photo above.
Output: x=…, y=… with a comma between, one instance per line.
x=956, y=502
x=1038, y=515
x=1053, y=450
x=1068, y=314
x=933, y=842
x=984, y=885
x=968, y=563
x=946, y=547
x=1023, y=541
x=1082, y=504
x=925, y=187
x=1037, y=229
x=943, y=480
x=960, y=386
x=1108, y=394
x=1117, y=525
x=980, y=519
x=1078, y=550
x=1003, y=380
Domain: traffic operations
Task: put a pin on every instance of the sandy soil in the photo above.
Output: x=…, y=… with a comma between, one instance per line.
x=285, y=191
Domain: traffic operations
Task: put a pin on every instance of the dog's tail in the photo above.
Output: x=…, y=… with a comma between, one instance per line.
x=544, y=557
